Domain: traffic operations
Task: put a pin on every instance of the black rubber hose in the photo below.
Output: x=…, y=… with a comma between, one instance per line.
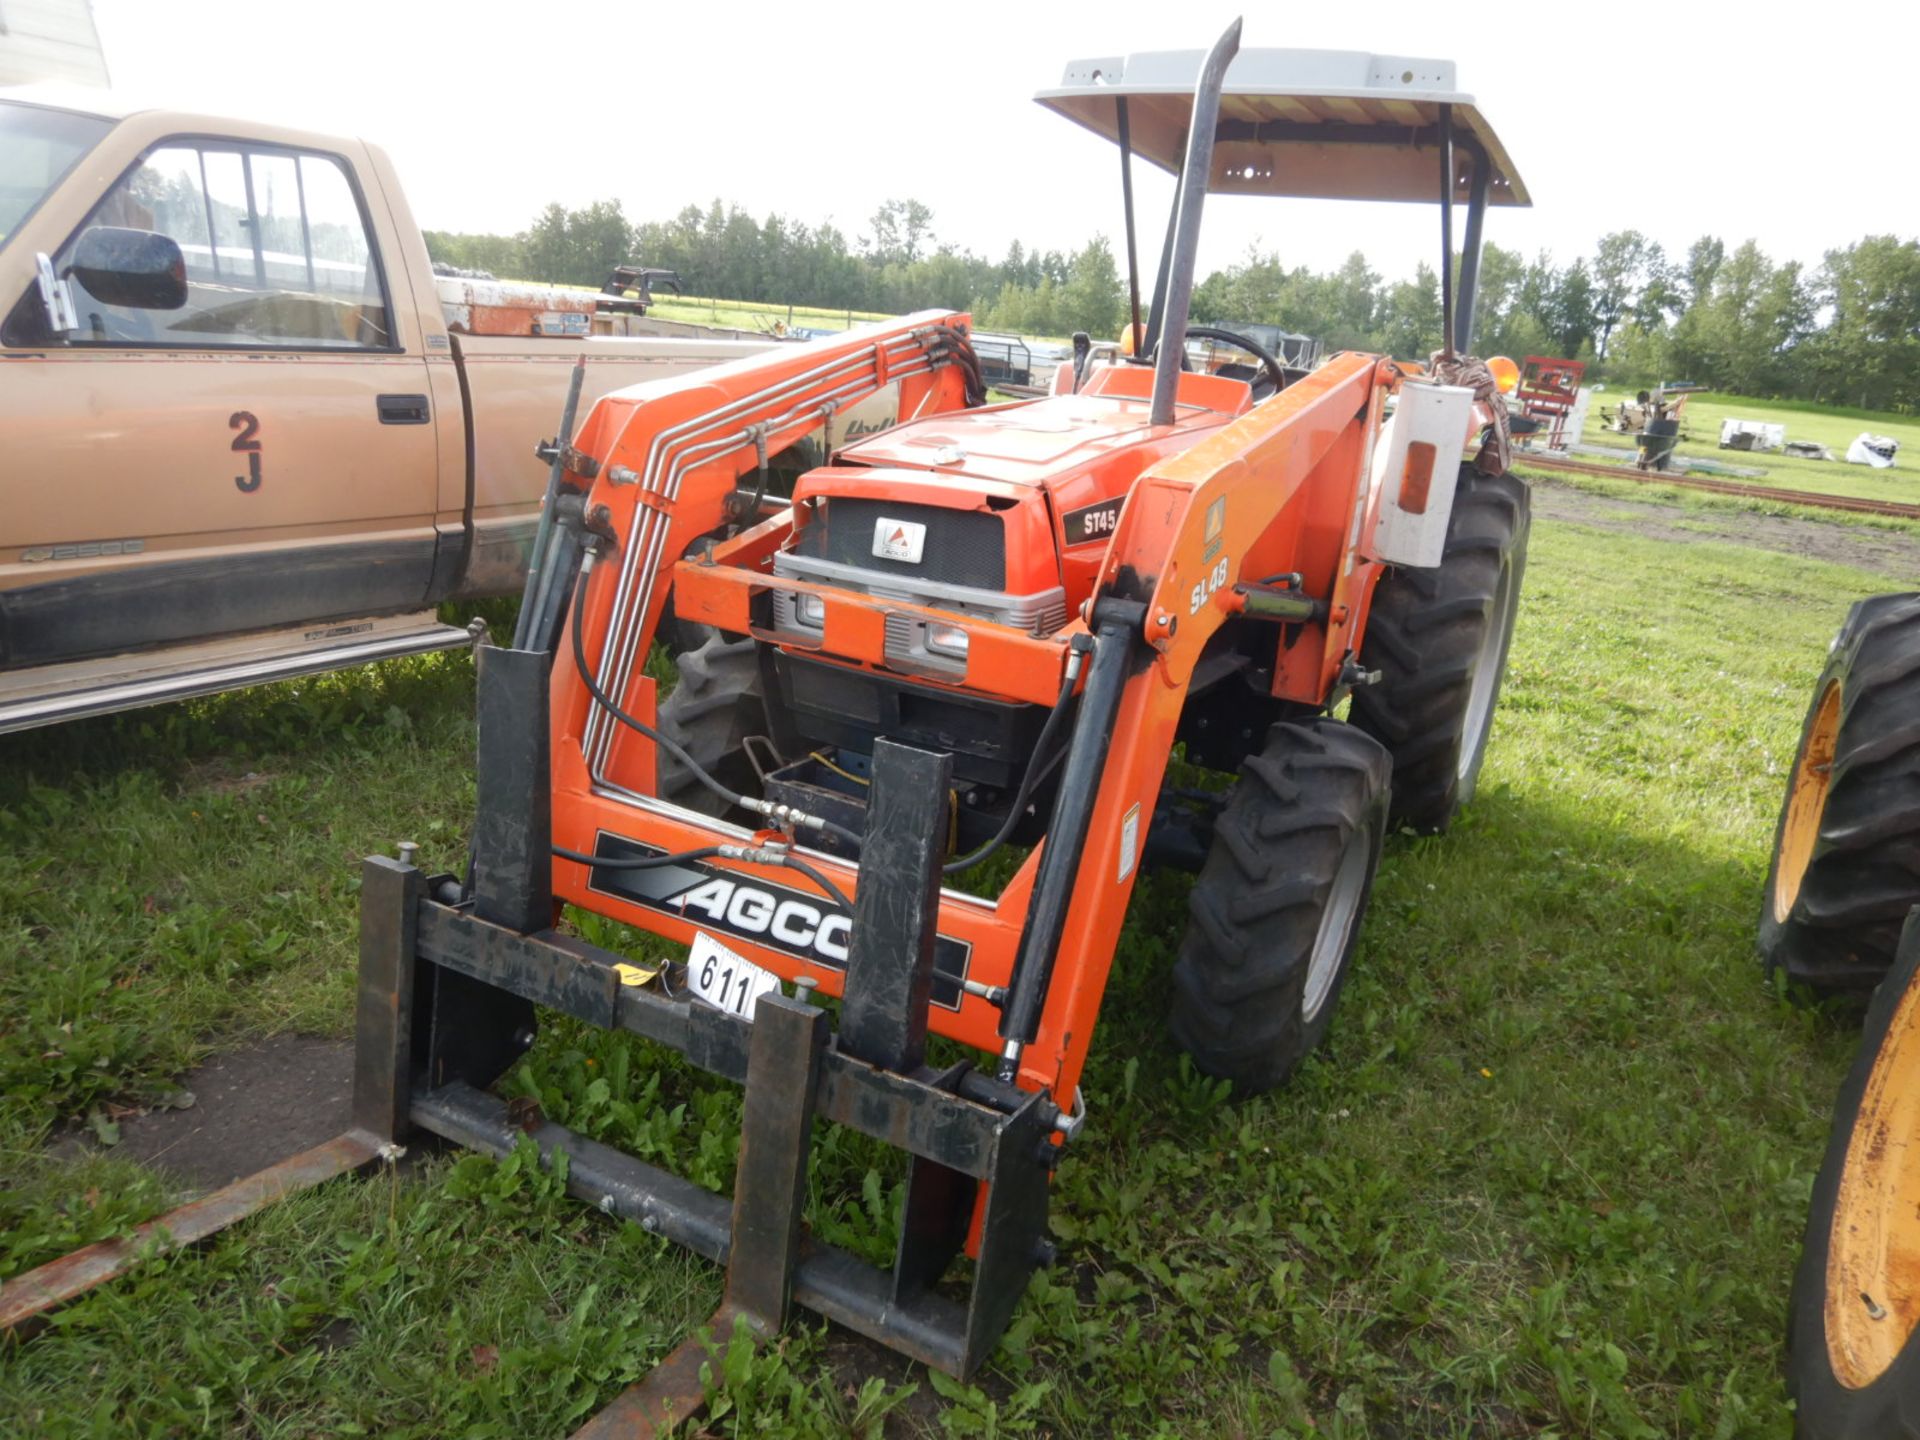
x=606, y=703
x=636, y=862
x=705, y=852
x=838, y=896
x=1027, y=782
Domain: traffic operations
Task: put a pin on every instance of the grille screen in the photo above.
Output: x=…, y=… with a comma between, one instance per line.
x=964, y=547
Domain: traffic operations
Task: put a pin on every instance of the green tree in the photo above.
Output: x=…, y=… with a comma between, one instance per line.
x=1869, y=352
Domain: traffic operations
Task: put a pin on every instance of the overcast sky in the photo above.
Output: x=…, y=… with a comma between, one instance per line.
x=1792, y=125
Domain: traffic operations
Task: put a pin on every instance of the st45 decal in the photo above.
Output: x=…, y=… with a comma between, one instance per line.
x=1091, y=522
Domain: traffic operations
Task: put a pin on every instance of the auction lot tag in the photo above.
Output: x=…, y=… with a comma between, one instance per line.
x=725, y=980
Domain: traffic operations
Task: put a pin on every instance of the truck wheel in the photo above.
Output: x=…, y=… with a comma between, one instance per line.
x=1276, y=909
x=1846, y=853
x=1853, y=1366
x=1439, y=639
x=717, y=704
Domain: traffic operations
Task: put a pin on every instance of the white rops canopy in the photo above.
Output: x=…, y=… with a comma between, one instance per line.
x=1320, y=124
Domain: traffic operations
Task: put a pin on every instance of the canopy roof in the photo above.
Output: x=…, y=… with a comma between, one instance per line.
x=1323, y=124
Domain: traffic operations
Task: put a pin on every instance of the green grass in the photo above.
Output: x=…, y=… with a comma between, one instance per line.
x=1836, y=429
x=1546, y=1178
x=751, y=315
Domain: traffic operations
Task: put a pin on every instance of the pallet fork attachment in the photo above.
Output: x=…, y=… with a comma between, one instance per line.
x=445, y=1004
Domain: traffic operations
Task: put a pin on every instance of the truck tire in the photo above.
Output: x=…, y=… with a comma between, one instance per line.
x=1439, y=639
x=1846, y=850
x=1276, y=909
x=718, y=702
x=1853, y=1363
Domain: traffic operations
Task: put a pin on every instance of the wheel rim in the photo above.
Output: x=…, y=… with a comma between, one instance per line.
x=1486, y=672
x=1337, y=922
x=1873, y=1250
x=1806, y=802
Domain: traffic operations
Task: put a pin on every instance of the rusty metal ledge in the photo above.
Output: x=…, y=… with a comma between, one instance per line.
x=27, y=1296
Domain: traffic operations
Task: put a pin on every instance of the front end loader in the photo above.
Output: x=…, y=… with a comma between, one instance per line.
x=944, y=690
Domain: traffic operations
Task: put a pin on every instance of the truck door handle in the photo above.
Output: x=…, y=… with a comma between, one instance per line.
x=403, y=409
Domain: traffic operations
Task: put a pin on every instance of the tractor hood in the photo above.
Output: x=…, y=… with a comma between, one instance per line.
x=1062, y=436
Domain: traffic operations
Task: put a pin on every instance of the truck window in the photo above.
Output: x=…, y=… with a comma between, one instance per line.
x=37, y=148
x=276, y=248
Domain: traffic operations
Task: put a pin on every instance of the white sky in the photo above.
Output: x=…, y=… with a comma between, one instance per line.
x=1676, y=119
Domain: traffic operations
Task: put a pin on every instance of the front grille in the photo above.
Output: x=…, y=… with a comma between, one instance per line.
x=964, y=547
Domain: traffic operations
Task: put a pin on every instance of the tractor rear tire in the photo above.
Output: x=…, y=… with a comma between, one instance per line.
x=1276, y=909
x=1439, y=639
x=1853, y=1360
x=1846, y=851
x=718, y=702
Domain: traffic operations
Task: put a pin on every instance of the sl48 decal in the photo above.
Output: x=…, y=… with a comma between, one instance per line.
x=1214, y=580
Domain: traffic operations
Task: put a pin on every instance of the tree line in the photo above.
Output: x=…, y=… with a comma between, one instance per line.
x=1846, y=331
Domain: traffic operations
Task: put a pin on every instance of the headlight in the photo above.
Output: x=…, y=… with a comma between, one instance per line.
x=947, y=640
x=810, y=610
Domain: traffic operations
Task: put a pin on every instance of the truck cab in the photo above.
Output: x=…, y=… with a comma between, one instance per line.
x=237, y=410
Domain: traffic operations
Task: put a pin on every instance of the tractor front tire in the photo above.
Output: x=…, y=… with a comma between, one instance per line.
x=718, y=702
x=1439, y=639
x=1846, y=851
x=1853, y=1363
x=1276, y=909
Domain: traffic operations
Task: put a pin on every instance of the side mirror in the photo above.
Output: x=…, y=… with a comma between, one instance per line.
x=139, y=269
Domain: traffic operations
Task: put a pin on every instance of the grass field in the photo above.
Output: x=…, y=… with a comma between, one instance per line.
x=1835, y=429
x=1546, y=1178
x=750, y=315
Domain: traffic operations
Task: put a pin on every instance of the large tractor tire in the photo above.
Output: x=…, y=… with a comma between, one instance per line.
x=718, y=702
x=1853, y=1363
x=1276, y=909
x=1439, y=639
x=1846, y=853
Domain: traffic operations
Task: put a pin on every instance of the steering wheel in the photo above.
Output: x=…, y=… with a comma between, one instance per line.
x=1274, y=376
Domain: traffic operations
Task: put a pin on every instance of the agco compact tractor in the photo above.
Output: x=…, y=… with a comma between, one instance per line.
x=928, y=692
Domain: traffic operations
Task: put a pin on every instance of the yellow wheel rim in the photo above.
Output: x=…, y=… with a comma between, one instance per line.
x=1806, y=802
x=1873, y=1252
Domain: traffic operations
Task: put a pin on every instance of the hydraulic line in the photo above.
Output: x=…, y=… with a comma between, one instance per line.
x=673, y=748
x=1041, y=748
x=756, y=854
x=1066, y=838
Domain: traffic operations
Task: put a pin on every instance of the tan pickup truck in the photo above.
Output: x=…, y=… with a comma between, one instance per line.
x=245, y=431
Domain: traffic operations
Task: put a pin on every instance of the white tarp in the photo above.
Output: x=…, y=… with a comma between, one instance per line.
x=1875, y=450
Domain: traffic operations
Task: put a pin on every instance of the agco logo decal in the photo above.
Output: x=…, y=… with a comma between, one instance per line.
x=792, y=922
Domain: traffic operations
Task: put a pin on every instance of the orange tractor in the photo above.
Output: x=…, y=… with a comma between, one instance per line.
x=966, y=641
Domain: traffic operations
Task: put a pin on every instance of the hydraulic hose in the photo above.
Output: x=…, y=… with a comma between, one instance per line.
x=1055, y=717
x=759, y=855
x=673, y=748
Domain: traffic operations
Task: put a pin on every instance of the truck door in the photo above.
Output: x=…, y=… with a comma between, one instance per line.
x=263, y=455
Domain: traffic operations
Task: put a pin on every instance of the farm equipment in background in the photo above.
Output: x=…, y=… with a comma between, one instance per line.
x=1004, y=359
x=1552, y=405
x=980, y=633
x=1839, y=920
x=1656, y=420
x=1751, y=435
x=1299, y=355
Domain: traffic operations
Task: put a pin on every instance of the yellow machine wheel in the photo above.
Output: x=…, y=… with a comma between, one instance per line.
x=1852, y=1362
x=1846, y=851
